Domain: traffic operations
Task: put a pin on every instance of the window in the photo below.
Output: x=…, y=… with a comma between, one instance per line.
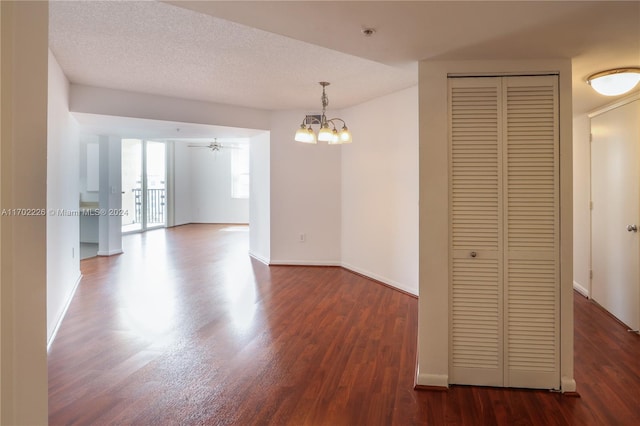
x=240, y=171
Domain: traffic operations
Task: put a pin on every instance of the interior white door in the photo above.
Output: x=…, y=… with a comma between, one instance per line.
x=615, y=192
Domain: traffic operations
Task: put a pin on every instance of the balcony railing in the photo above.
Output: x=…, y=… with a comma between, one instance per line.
x=155, y=206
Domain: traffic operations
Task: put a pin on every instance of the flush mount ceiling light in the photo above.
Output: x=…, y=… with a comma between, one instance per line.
x=614, y=82
x=331, y=135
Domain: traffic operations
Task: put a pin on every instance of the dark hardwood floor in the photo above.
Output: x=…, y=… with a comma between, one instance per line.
x=185, y=329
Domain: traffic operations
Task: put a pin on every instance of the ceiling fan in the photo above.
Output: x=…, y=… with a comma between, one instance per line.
x=214, y=146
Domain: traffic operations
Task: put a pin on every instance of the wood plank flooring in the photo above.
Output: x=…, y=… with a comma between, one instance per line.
x=185, y=329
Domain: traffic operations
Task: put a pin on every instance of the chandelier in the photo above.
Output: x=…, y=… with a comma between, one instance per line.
x=614, y=82
x=328, y=131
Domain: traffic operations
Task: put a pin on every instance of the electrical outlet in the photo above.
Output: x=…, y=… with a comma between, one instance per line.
x=302, y=238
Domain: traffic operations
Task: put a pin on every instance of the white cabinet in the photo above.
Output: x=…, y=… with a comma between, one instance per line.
x=504, y=240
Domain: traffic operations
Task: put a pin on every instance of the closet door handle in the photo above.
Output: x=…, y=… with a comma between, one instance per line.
x=473, y=254
x=632, y=228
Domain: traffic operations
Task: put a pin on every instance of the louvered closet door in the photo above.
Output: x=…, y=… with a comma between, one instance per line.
x=504, y=239
x=476, y=336
x=531, y=184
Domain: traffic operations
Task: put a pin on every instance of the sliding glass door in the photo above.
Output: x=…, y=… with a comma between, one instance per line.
x=143, y=185
x=131, y=184
x=155, y=178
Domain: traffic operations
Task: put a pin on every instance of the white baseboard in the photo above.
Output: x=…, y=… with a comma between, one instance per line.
x=344, y=265
x=567, y=384
x=259, y=258
x=580, y=289
x=64, y=312
x=436, y=380
x=380, y=278
x=305, y=262
x=110, y=252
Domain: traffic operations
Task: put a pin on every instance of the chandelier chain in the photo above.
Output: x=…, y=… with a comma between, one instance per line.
x=325, y=100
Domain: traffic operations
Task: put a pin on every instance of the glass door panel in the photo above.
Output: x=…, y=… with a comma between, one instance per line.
x=155, y=180
x=132, y=185
x=143, y=185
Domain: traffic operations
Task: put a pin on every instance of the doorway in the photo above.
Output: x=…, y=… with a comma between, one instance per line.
x=143, y=185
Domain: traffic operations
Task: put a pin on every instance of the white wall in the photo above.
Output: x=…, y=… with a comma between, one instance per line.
x=63, y=264
x=259, y=198
x=203, y=187
x=85, y=195
x=89, y=227
x=305, y=196
x=210, y=177
x=380, y=190
x=98, y=100
x=182, y=184
x=581, y=199
x=110, y=197
x=23, y=239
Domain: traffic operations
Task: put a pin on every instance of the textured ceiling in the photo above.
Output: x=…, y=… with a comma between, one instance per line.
x=159, y=48
x=271, y=55
x=596, y=35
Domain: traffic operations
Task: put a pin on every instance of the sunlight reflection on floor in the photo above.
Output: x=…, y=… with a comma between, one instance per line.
x=148, y=308
x=148, y=300
x=240, y=289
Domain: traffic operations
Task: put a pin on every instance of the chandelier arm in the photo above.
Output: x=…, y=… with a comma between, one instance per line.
x=331, y=120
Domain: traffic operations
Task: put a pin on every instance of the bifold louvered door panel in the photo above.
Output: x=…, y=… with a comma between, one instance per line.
x=503, y=231
x=476, y=206
x=532, y=232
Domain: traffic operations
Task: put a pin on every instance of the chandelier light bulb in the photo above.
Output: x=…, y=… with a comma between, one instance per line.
x=305, y=135
x=335, y=138
x=325, y=134
x=345, y=135
x=301, y=134
x=312, y=135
